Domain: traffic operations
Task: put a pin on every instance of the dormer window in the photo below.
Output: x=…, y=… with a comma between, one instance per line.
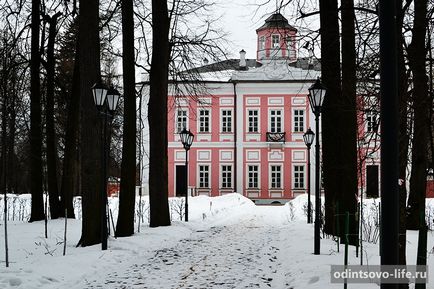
x=275, y=41
x=262, y=43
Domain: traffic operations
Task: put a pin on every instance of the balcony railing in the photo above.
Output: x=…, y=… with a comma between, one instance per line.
x=276, y=137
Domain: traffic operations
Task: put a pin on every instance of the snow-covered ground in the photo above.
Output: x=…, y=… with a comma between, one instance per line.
x=228, y=243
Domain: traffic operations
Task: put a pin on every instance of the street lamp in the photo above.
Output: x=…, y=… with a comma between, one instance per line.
x=316, y=97
x=308, y=138
x=101, y=96
x=186, y=137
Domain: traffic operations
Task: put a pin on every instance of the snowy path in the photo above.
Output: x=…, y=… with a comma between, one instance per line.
x=240, y=255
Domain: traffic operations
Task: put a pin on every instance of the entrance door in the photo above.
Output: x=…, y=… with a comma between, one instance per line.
x=372, y=181
x=181, y=181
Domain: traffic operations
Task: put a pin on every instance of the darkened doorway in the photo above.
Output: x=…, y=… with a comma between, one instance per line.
x=181, y=185
x=372, y=182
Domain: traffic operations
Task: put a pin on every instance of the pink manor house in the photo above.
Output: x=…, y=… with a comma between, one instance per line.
x=249, y=125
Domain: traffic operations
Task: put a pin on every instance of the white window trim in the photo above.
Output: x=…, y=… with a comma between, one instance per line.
x=221, y=176
x=281, y=176
x=261, y=40
x=176, y=119
x=293, y=120
x=209, y=120
x=209, y=175
x=375, y=116
x=247, y=176
x=304, y=176
x=282, y=119
x=278, y=43
x=221, y=121
x=259, y=119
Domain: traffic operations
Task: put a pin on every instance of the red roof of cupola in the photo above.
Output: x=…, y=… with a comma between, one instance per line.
x=276, y=20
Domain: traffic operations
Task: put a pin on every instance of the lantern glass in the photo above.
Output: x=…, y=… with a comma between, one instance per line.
x=112, y=99
x=99, y=92
x=186, y=137
x=316, y=96
x=308, y=137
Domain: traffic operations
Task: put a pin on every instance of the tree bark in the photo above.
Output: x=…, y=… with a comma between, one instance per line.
x=331, y=76
x=157, y=116
x=125, y=223
x=90, y=146
x=37, y=208
x=53, y=189
x=348, y=125
x=421, y=107
x=71, y=140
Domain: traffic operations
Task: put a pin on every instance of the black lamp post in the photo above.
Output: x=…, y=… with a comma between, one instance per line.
x=186, y=137
x=308, y=138
x=316, y=97
x=101, y=96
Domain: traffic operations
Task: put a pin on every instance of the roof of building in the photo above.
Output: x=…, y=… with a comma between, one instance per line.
x=276, y=20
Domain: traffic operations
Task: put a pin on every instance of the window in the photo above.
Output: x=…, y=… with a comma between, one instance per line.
x=275, y=39
x=204, y=120
x=203, y=176
x=262, y=43
x=181, y=120
x=275, y=121
x=371, y=121
x=276, y=177
x=253, y=177
x=226, y=121
x=226, y=176
x=288, y=42
x=253, y=120
x=298, y=177
x=298, y=120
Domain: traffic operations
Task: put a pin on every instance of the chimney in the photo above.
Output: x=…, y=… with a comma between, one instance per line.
x=243, y=64
x=205, y=61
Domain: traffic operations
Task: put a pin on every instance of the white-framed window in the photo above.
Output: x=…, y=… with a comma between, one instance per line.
x=275, y=120
x=276, y=176
x=181, y=119
x=288, y=40
x=253, y=120
x=226, y=120
x=204, y=120
x=371, y=121
x=299, y=177
x=252, y=176
x=298, y=120
x=261, y=43
x=204, y=176
x=275, y=41
x=226, y=176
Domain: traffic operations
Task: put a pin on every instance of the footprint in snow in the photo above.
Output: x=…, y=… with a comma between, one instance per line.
x=313, y=280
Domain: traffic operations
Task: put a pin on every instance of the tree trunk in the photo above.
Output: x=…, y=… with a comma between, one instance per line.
x=53, y=189
x=157, y=116
x=348, y=142
x=421, y=108
x=37, y=208
x=125, y=224
x=90, y=146
x=403, y=139
x=331, y=76
x=71, y=141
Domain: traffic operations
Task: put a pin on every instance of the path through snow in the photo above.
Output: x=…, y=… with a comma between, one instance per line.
x=244, y=254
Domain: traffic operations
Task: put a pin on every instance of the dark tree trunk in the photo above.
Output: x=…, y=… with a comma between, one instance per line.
x=331, y=78
x=348, y=128
x=421, y=106
x=125, y=224
x=403, y=138
x=53, y=189
x=90, y=145
x=157, y=116
x=37, y=209
x=71, y=141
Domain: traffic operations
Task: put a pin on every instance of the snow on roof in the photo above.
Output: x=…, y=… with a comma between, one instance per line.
x=275, y=70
